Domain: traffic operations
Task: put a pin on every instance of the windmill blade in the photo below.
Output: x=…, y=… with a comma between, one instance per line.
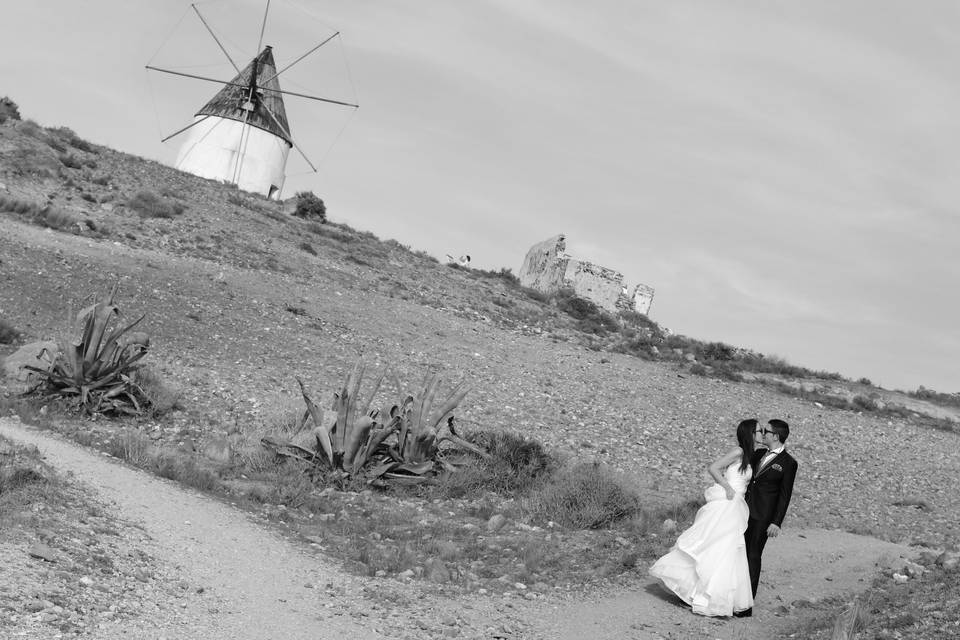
x=263, y=26
x=195, y=77
x=236, y=84
x=215, y=39
x=179, y=131
x=287, y=131
x=301, y=57
x=303, y=95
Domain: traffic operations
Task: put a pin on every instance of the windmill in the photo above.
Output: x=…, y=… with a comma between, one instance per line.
x=242, y=135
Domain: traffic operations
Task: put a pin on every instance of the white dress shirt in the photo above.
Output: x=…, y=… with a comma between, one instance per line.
x=770, y=455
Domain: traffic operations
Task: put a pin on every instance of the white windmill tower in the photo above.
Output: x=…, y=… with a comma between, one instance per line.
x=242, y=136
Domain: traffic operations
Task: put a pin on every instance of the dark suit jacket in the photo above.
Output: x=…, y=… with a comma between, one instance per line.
x=770, y=488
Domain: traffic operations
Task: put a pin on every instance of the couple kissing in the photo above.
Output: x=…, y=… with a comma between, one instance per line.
x=714, y=566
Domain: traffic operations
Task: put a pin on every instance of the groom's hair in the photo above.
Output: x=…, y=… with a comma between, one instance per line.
x=781, y=428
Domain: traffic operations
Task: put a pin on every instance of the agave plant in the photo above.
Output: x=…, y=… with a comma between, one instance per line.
x=346, y=441
x=95, y=368
x=401, y=443
x=417, y=455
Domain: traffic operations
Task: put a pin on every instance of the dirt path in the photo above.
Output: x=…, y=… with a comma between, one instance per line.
x=810, y=564
x=257, y=584
x=253, y=580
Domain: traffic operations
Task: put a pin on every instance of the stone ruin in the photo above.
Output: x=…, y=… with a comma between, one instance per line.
x=547, y=268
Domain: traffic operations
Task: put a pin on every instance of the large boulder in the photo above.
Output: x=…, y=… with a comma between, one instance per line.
x=19, y=379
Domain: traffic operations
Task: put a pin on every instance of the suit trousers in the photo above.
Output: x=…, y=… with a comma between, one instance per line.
x=755, y=538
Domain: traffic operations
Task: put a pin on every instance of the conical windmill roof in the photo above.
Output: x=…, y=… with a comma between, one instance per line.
x=230, y=101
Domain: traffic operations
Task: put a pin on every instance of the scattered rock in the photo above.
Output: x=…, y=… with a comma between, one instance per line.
x=218, y=450
x=949, y=560
x=437, y=571
x=912, y=569
x=43, y=552
x=32, y=606
x=18, y=378
x=496, y=522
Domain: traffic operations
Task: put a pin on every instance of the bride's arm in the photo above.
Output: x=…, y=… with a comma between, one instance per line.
x=716, y=470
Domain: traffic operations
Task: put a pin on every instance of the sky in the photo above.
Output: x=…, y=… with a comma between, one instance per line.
x=784, y=174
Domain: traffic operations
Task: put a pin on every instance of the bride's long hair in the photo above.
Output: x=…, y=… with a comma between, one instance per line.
x=745, y=432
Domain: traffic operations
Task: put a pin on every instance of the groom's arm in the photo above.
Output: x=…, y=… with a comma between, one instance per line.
x=786, y=491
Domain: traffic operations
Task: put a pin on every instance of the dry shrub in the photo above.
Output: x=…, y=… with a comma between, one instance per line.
x=161, y=397
x=253, y=457
x=310, y=207
x=184, y=468
x=149, y=205
x=586, y=496
x=15, y=477
x=446, y=550
x=846, y=625
x=43, y=215
x=516, y=465
x=134, y=448
x=18, y=206
x=8, y=110
x=70, y=161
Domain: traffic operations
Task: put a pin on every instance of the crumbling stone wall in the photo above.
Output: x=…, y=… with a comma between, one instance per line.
x=548, y=268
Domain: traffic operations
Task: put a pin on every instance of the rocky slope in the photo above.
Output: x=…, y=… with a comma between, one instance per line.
x=240, y=298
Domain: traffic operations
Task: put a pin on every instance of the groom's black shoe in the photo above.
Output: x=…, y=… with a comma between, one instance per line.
x=746, y=613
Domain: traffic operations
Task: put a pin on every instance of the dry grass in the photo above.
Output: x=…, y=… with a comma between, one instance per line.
x=24, y=482
x=585, y=496
x=162, y=397
x=133, y=447
x=149, y=205
x=923, y=608
x=43, y=215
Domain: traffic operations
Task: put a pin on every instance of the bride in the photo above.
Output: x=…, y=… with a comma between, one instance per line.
x=707, y=567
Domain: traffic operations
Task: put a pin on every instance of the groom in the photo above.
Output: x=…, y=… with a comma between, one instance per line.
x=768, y=495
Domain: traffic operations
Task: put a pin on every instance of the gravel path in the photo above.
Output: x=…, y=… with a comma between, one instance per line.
x=806, y=565
x=254, y=583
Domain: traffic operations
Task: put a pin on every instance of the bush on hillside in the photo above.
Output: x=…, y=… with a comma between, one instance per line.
x=161, y=397
x=149, y=205
x=8, y=110
x=641, y=321
x=70, y=161
x=587, y=496
x=310, y=207
x=68, y=136
x=514, y=465
x=717, y=351
x=590, y=318
x=936, y=397
x=46, y=215
x=504, y=273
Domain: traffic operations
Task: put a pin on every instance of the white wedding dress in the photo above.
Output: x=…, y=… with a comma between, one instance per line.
x=707, y=567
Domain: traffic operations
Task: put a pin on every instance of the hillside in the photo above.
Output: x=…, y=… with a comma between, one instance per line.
x=240, y=297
